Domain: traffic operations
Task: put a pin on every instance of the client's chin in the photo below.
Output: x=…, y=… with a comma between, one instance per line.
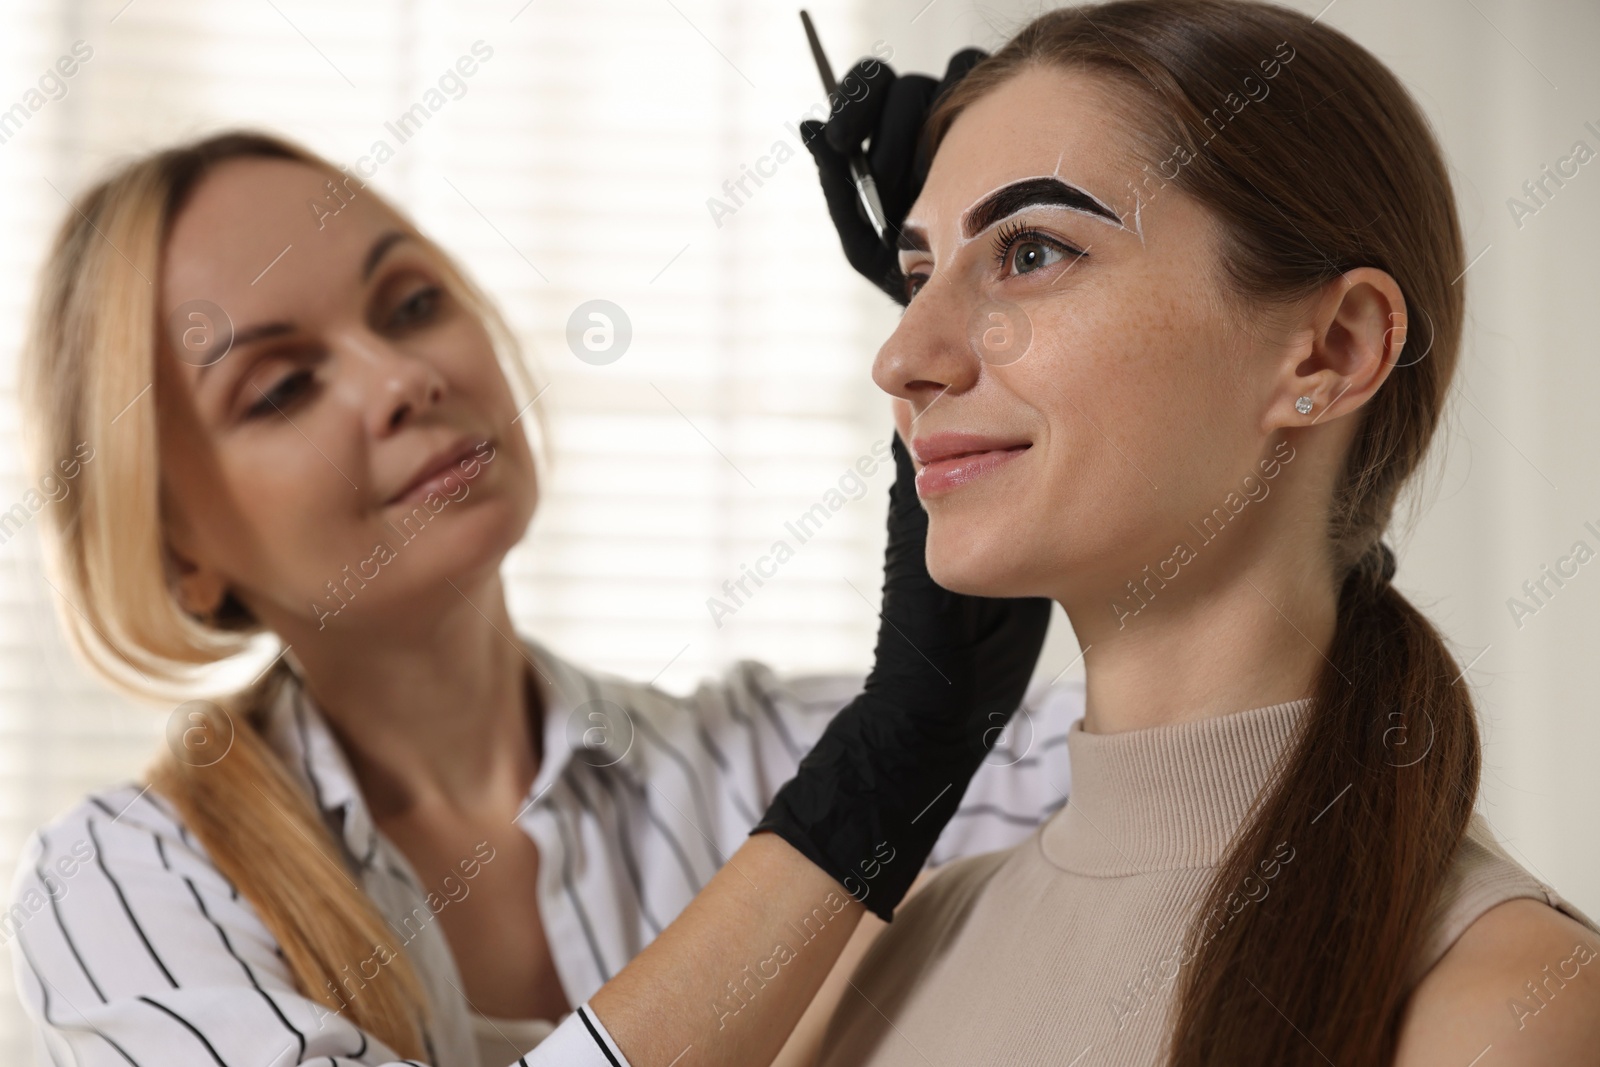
x=976, y=565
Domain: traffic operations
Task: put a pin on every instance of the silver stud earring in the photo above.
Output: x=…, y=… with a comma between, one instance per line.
x=1303, y=405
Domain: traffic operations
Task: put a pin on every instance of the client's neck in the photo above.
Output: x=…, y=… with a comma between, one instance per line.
x=1208, y=646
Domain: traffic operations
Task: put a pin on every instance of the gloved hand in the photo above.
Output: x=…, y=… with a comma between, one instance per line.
x=870, y=799
x=891, y=112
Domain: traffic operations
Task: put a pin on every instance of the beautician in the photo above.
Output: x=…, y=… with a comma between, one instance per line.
x=419, y=837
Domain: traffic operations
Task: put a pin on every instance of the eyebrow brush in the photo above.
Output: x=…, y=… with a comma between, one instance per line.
x=866, y=188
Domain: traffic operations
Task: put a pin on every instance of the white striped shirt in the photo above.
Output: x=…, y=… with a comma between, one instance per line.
x=130, y=947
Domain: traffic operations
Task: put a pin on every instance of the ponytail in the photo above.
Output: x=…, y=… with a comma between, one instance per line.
x=262, y=832
x=1373, y=801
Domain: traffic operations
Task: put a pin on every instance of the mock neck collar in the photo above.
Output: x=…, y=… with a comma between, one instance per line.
x=1167, y=797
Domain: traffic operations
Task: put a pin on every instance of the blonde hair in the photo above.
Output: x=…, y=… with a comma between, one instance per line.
x=88, y=370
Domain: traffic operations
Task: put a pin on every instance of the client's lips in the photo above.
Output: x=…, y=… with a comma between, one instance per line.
x=951, y=460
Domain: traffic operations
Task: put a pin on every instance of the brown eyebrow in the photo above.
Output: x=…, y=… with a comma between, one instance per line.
x=911, y=239
x=266, y=330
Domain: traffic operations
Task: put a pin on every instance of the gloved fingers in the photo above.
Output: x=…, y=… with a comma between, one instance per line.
x=875, y=107
x=903, y=491
x=862, y=93
x=960, y=63
x=866, y=253
x=810, y=130
x=958, y=67
x=833, y=164
x=905, y=547
x=882, y=264
x=894, y=144
x=902, y=417
x=838, y=188
x=1007, y=627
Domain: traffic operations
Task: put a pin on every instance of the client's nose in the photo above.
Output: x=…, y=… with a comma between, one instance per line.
x=929, y=353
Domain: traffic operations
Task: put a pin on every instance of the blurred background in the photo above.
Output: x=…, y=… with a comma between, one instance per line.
x=580, y=162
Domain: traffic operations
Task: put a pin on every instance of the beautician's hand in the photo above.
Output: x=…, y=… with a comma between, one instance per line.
x=869, y=800
x=891, y=113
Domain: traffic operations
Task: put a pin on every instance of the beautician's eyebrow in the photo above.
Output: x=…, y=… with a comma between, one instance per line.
x=266, y=330
x=379, y=247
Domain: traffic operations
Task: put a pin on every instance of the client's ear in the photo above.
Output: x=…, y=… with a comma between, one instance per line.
x=1344, y=347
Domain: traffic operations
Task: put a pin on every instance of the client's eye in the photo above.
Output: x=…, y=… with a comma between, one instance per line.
x=1026, y=250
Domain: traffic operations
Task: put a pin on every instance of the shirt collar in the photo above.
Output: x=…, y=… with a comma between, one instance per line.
x=579, y=724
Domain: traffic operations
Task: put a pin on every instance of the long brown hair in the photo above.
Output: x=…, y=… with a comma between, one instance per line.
x=1314, y=160
x=89, y=357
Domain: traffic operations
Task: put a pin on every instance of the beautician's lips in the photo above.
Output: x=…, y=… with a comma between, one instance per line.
x=950, y=460
x=430, y=477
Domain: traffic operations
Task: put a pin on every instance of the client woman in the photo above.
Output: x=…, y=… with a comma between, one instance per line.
x=1193, y=269
x=418, y=834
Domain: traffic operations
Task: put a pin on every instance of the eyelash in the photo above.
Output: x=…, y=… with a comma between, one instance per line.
x=1006, y=238
x=1014, y=233
x=273, y=400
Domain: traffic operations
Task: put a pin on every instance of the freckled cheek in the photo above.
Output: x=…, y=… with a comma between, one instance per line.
x=1123, y=396
x=1094, y=376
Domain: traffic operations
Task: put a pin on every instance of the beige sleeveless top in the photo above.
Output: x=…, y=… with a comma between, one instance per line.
x=1065, y=949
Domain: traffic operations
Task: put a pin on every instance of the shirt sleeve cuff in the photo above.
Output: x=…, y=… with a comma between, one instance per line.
x=580, y=1040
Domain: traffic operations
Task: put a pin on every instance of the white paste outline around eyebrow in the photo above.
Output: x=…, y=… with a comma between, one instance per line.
x=962, y=241
x=1138, y=203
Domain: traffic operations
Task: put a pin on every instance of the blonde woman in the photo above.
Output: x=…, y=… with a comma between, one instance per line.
x=419, y=834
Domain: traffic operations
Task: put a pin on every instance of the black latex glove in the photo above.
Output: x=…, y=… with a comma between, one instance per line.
x=890, y=112
x=869, y=800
